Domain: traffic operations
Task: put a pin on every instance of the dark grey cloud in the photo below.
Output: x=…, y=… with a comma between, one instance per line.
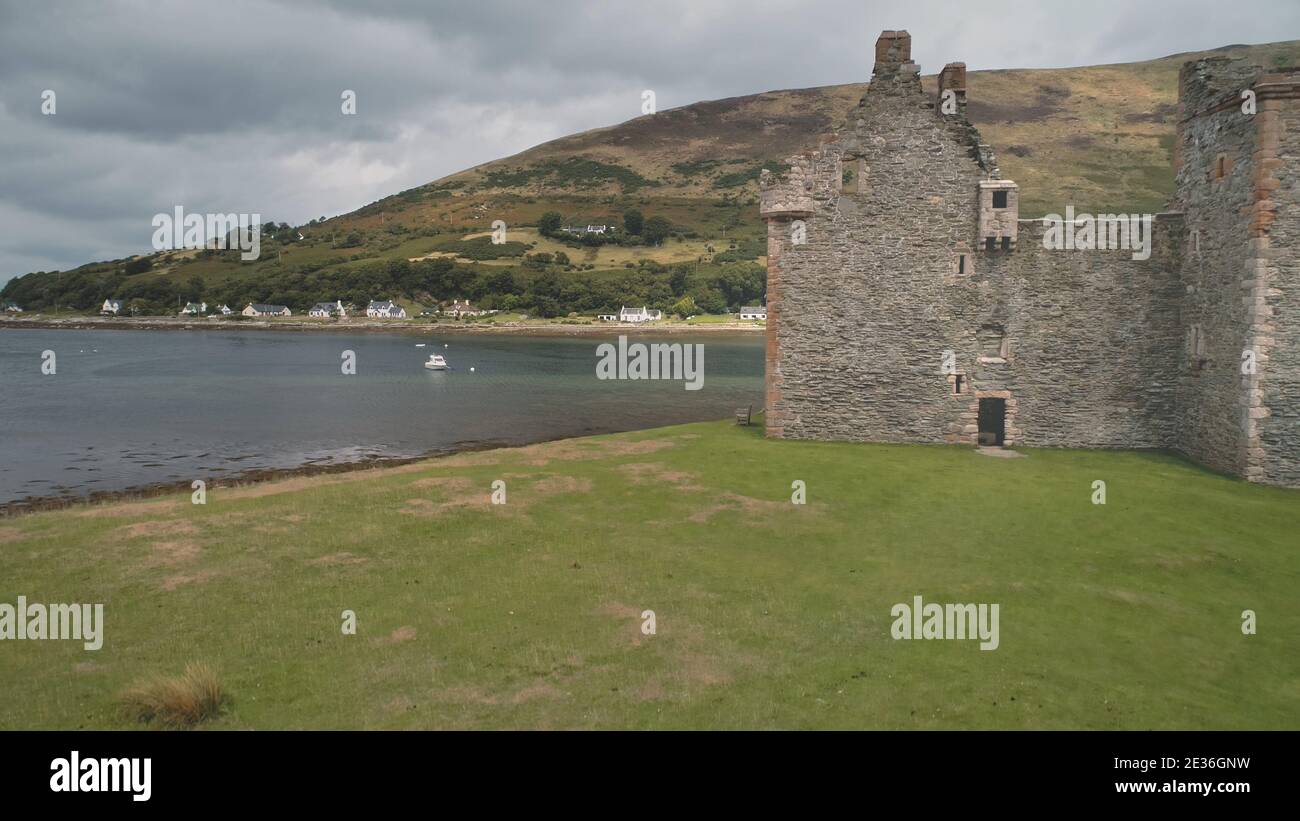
x=234, y=106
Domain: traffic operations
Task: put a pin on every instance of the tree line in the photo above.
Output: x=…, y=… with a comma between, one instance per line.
x=539, y=286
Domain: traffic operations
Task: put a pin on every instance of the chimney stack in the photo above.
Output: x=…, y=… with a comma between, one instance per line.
x=893, y=49
x=953, y=78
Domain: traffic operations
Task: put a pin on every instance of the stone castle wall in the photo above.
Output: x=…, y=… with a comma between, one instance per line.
x=1274, y=296
x=1218, y=246
x=848, y=352
x=1092, y=338
x=1241, y=277
x=1089, y=348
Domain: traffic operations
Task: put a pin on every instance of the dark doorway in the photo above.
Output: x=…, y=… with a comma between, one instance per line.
x=993, y=421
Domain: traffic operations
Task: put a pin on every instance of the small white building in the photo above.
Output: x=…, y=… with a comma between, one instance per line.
x=643, y=314
x=607, y=317
x=754, y=312
x=224, y=310
x=459, y=308
x=12, y=308
x=387, y=309
x=260, y=309
x=194, y=309
x=324, y=310
x=112, y=307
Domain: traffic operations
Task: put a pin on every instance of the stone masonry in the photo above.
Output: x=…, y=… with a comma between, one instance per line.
x=908, y=302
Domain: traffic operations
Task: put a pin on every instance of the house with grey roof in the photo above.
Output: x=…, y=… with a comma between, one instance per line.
x=324, y=310
x=260, y=309
x=387, y=309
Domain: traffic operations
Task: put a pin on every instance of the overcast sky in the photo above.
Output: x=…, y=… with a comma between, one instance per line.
x=234, y=105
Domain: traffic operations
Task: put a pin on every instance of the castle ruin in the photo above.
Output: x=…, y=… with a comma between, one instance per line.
x=909, y=302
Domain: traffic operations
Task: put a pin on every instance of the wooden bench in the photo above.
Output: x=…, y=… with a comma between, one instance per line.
x=743, y=415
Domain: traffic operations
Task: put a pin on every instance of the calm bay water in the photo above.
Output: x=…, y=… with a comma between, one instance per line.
x=131, y=408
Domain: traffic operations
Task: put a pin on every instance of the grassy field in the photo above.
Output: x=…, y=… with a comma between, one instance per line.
x=768, y=614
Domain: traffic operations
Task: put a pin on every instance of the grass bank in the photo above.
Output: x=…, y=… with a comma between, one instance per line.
x=768, y=614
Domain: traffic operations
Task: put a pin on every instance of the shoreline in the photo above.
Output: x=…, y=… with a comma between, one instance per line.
x=254, y=476
x=369, y=326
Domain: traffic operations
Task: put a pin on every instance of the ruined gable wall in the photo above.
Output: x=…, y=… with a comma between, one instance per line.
x=860, y=309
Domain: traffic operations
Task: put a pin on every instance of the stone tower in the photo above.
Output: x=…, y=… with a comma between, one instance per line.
x=1238, y=165
x=865, y=237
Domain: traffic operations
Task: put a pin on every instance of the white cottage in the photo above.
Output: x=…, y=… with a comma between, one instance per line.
x=324, y=310
x=643, y=314
x=386, y=309
x=459, y=308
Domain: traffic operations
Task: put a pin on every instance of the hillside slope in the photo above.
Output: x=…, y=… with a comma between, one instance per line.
x=1092, y=136
x=1098, y=137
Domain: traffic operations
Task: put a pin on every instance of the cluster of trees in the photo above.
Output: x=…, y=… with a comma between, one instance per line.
x=636, y=230
x=85, y=289
x=675, y=289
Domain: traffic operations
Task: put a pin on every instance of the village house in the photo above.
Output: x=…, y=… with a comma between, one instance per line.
x=324, y=310
x=607, y=317
x=194, y=309
x=386, y=309
x=259, y=309
x=111, y=307
x=223, y=309
x=643, y=314
x=11, y=307
x=460, y=308
x=754, y=312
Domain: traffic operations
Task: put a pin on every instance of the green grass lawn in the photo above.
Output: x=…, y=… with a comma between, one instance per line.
x=528, y=614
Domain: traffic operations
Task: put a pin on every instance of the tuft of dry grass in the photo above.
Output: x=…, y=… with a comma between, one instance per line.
x=176, y=701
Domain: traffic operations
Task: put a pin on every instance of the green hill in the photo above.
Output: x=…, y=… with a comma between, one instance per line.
x=1098, y=137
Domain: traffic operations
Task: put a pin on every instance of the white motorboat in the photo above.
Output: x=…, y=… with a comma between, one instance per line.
x=437, y=363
